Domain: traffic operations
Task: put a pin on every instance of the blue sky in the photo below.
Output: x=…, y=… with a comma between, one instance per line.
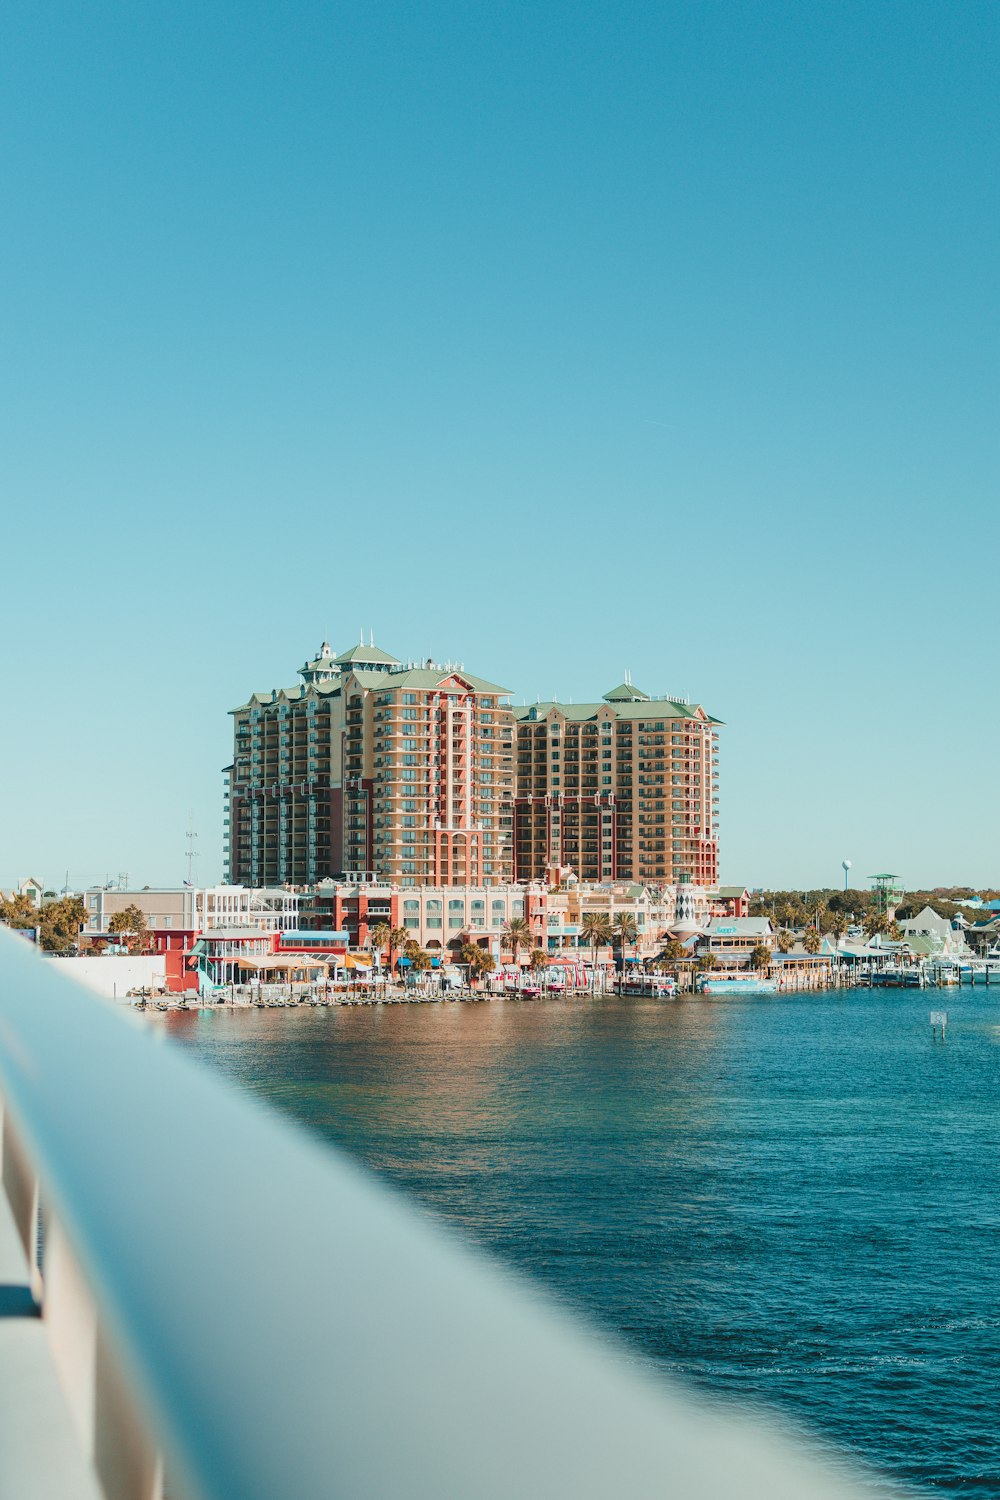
x=556, y=339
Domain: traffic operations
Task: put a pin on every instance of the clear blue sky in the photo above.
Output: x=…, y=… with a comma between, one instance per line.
x=554, y=338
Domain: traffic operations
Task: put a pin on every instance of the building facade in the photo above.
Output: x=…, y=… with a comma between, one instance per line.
x=282, y=821
x=371, y=765
x=435, y=916
x=173, y=914
x=624, y=789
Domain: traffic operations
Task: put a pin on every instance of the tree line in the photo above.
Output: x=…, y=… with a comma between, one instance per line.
x=833, y=911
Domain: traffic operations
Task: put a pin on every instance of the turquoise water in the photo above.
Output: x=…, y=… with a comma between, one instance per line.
x=793, y=1201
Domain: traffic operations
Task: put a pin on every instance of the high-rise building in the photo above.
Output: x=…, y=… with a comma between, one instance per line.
x=622, y=789
x=373, y=765
x=428, y=776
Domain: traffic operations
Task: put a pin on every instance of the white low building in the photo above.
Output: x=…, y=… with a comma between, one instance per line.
x=946, y=940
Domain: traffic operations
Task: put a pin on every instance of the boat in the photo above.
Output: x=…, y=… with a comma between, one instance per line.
x=753, y=984
x=897, y=979
x=648, y=986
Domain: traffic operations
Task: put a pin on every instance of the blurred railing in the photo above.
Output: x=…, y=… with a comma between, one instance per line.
x=229, y=1301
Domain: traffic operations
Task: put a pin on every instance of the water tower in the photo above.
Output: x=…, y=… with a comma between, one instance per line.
x=845, y=865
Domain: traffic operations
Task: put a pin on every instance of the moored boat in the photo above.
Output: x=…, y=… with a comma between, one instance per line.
x=753, y=984
x=650, y=986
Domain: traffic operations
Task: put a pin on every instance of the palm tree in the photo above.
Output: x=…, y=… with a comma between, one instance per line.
x=785, y=939
x=419, y=960
x=674, y=952
x=707, y=960
x=378, y=937
x=131, y=925
x=760, y=958
x=838, y=924
x=397, y=939
x=596, y=929
x=876, y=922
x=537, y=960
x=479, y=961
x=516, y=935
x=625, y=931
x=811, y=941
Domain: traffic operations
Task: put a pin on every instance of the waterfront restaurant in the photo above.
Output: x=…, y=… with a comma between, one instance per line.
x=228, y=955
x=731, y=940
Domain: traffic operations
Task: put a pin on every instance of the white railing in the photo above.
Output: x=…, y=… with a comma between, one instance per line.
x=228, y=1299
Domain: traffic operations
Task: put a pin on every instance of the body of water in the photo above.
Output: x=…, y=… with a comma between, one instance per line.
x=793, y=1201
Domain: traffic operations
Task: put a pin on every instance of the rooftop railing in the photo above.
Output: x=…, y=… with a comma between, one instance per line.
x=225, y=1301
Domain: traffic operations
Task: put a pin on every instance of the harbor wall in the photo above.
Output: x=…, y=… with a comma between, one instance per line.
x=115, y=975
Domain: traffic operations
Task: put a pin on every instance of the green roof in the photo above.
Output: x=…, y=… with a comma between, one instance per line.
x=625, y=693
x=361, y=653
x=645, y=708
x=424, y=679
x=288, y=695
x=320, y=664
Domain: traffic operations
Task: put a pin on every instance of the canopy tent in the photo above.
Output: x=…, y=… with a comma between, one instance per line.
x=274, y=963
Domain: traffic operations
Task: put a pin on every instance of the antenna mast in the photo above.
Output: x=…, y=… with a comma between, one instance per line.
x=192, y=853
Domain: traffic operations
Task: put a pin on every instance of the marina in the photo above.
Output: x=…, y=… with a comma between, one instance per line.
x=370, y=988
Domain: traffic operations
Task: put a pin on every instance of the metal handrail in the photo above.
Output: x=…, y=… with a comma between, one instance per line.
x=279, y=1324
